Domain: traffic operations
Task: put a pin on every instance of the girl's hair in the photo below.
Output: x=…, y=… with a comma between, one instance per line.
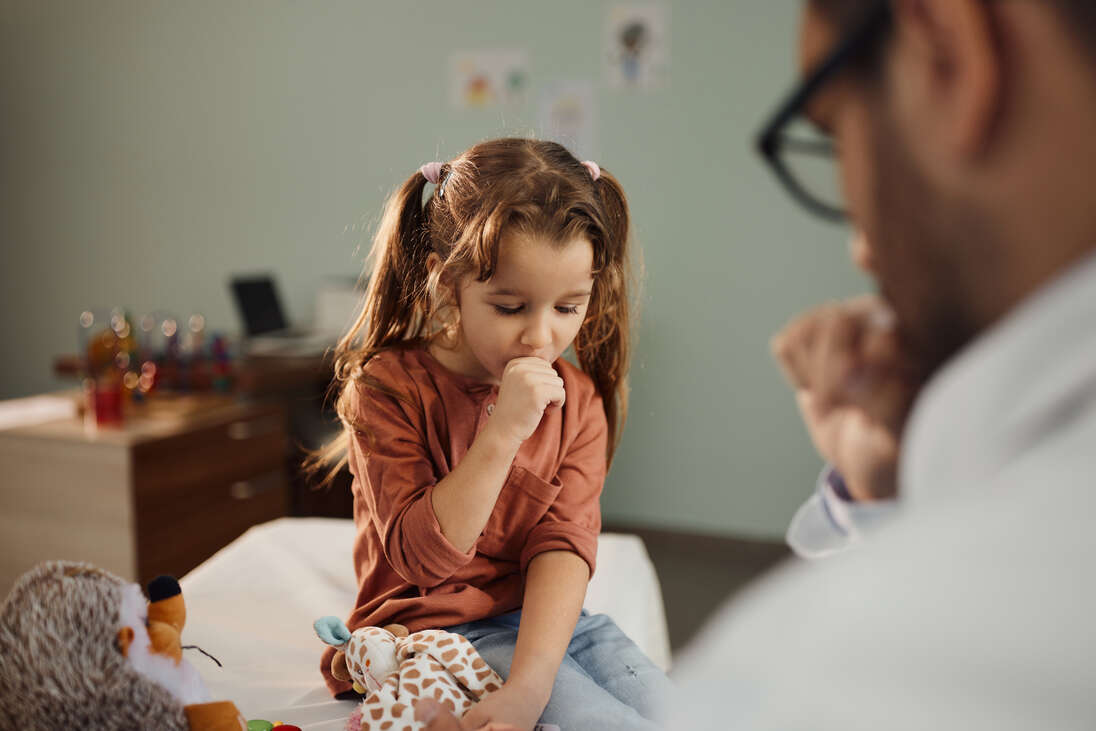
x=495, y=189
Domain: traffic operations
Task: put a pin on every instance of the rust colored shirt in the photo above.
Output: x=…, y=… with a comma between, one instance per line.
x=407, y=570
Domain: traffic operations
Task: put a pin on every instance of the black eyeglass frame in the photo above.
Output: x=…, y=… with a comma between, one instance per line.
x=771, y=139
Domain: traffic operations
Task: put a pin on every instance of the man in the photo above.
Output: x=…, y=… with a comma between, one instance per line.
x=966, y=130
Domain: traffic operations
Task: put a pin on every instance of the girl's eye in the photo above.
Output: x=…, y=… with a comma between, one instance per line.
x=568, y=309
x=508, y=310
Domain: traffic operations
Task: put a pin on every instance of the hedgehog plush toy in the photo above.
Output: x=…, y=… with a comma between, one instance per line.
x=80, y=648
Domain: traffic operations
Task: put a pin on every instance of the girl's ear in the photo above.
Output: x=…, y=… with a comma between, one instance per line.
x=433, y=267
x=447, y=294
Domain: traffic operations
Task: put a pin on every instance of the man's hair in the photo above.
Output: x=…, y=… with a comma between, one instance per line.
x=1079, y=16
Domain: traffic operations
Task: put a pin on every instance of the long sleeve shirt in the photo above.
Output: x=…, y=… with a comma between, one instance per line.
x=831, y=521
x=418, y=428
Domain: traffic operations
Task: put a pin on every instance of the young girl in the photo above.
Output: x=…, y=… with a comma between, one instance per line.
x=478, y=452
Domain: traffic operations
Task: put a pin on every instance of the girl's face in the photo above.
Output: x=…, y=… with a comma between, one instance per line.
x=533, y=305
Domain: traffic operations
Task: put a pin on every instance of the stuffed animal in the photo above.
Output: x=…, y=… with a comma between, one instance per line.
x=82, y=649
x=393, y=669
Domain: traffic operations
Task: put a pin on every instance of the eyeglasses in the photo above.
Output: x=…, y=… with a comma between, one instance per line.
x=803, y=158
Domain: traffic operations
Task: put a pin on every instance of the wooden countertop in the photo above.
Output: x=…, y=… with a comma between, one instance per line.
x=161, y=417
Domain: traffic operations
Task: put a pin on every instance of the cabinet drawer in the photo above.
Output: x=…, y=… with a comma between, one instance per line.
x=196, y=492
x=176, y=533
x=223, y=452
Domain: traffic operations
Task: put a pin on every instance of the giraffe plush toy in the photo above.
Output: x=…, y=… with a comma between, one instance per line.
x=393, y=669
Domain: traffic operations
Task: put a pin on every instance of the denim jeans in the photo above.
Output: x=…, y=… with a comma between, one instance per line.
x=605, y=682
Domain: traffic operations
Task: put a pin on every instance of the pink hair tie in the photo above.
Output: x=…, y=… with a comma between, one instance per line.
x=431, y=171
x=592, y=167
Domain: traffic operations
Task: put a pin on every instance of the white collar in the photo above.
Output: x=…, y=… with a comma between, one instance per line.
x=1003, y=391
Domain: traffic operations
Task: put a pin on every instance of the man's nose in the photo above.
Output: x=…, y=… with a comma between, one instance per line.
x=861, y=252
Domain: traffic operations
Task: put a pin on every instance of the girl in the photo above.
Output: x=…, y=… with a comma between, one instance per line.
x=478, y=453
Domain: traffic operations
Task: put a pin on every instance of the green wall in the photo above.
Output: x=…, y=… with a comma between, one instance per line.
x=152, y=148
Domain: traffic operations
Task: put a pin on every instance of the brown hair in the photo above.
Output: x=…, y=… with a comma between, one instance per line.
x=499, y=187
x=1079, y=17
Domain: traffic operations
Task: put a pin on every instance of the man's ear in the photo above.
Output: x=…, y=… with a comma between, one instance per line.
x=956, y=43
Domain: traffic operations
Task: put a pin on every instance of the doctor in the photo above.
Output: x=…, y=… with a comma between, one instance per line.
x=966, y=391
x=958, y=408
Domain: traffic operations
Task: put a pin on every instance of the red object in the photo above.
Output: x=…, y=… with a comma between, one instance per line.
x=104, y=399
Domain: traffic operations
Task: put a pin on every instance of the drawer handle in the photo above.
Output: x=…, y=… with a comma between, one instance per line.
x=247, y=489
x=241, y=430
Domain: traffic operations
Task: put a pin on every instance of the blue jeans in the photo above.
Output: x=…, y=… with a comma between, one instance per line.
x=605, y=682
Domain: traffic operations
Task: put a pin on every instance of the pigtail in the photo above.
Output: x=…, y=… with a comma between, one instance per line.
x=392, y=312
x=603, y=345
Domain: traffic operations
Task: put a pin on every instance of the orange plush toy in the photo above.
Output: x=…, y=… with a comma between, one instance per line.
x=166, y=617
x=82, y=649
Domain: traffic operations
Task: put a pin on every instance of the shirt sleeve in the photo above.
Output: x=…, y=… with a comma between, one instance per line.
x=830, y=521
x=573, y=521
x=396, y=479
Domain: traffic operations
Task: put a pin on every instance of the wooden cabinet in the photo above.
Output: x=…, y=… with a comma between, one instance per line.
x=157, y=496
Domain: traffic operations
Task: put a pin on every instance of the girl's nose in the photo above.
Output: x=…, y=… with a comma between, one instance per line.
x=536, y=335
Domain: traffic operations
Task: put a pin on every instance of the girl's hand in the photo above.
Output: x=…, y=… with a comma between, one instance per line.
x=529, y=386
x=509, y=707
x=854, y=386
x=438, y=718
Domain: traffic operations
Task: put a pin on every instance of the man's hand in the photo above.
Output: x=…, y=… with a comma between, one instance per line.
x=439, y=718
x=854, y=385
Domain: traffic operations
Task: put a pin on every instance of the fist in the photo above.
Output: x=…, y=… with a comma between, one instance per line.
x=528, y=387
x=854, y=385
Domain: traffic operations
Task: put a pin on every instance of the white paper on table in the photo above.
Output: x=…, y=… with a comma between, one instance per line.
x=35, y=410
